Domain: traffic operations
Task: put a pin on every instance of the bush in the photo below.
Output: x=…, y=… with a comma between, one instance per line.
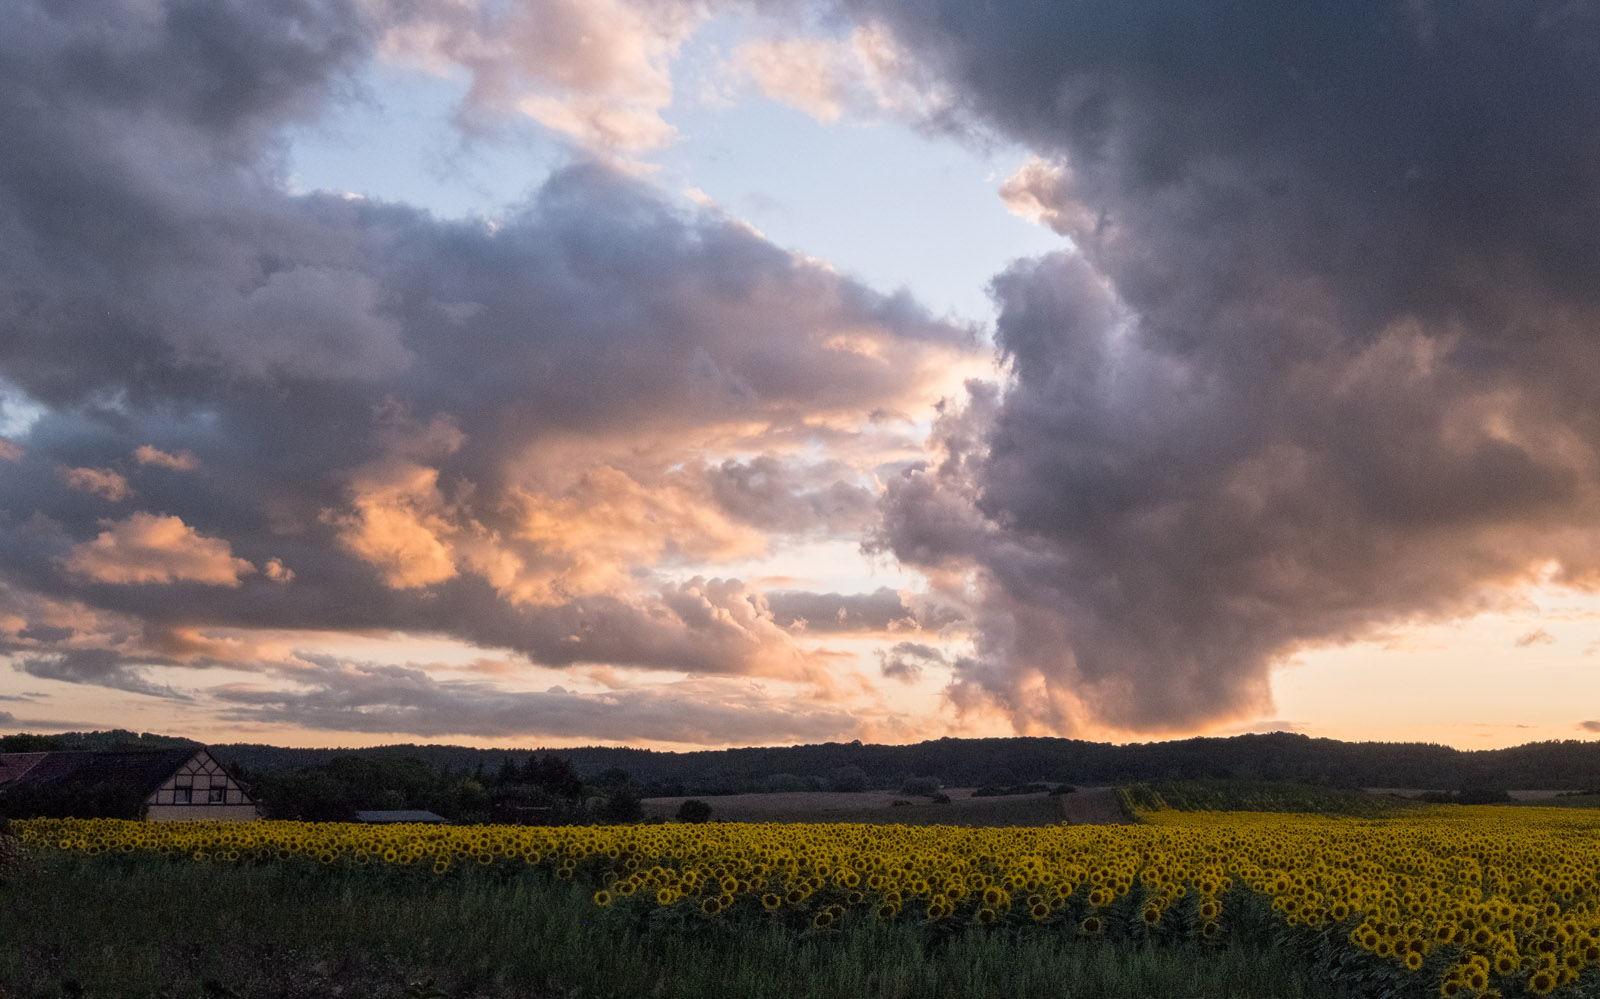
x=923, y=786
x=623, y=807
x=694, y=810
x=941, y=798
x=998, y=790
x=780, y=783
x=849, y=778
x=1477, y=794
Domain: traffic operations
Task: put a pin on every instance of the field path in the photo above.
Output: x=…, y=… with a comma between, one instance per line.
x=1094, y=806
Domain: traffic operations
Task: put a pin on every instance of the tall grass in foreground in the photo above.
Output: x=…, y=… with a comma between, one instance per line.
x=131, y=926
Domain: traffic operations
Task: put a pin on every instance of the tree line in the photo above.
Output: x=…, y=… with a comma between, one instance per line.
x=460, y=781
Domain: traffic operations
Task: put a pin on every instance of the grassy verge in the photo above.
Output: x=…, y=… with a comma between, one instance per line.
x=146, y=927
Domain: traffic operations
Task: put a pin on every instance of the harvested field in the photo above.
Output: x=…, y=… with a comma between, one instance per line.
x=874, y=806
x=1094, y=806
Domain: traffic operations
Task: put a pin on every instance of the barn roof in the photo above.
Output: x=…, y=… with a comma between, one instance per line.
x=143, y=770
x=14, y=765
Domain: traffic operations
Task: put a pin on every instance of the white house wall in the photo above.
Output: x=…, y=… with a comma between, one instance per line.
x=205, y=780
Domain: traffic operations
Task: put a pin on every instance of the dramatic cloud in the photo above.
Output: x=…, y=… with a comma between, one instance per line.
x=531, y=433
x=1323, y=362
x=146, y=548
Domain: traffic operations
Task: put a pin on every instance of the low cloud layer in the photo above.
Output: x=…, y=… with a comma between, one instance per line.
x=1322, y=361
x=376, y=698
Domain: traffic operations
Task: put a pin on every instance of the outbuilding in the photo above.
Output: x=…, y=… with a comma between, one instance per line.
x=383, y=815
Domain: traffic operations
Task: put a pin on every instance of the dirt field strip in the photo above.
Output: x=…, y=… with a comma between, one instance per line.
x=1094, y=806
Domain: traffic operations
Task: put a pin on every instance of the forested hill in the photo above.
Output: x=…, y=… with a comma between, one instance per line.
x=1571, y=764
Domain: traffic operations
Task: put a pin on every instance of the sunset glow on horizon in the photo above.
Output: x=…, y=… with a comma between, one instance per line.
x=697, y=373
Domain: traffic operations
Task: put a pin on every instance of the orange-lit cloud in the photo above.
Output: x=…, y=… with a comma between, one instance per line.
x=397, y=523
x=147, y=548
x=1536, y=637
x=595, y=70
x=275, y=570
x=10, y=450
x=866, y=74
x=180, y=461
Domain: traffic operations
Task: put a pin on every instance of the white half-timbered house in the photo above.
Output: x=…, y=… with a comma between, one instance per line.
x=175, y=784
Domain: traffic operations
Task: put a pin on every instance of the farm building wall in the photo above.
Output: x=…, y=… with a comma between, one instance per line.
x=202, y=813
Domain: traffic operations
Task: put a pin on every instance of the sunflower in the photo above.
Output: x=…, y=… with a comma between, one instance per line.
x=602, y=897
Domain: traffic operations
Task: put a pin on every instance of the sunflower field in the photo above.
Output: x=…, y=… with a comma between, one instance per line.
x=1450, y=901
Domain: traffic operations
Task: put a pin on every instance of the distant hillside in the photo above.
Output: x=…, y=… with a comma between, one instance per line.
x=966, y=762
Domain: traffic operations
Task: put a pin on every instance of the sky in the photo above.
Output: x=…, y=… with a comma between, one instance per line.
x=701, y=373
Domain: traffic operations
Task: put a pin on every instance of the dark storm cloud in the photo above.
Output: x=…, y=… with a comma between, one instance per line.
x=370, y=697
x=881, y=610
x=100, y=667
x=776, y=496
x=1326, y=360
x=907, y=660
x=332, y=413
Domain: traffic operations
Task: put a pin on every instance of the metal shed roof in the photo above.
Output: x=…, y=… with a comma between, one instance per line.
x=399, y=815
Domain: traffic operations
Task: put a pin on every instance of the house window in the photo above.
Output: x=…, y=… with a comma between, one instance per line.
x=182, y=795
x=219, y=796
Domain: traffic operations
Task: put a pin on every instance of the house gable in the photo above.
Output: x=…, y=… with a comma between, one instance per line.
x=200, y=780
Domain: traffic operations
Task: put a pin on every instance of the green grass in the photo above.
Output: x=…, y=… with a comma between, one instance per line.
x=145, y=927
x=1228, y=795
x=1562, y=801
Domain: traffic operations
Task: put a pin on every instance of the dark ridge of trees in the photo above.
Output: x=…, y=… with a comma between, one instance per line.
x=117, y=738
x=543, y=788
x=564, y=779
x=971, y=762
